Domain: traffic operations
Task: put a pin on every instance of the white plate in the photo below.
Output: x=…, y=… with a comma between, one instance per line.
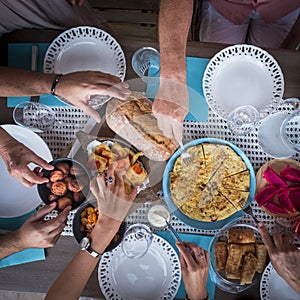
x=274, y=287
x=155, y=276
x=85, y=48
x=17, y=199
x=243, y=75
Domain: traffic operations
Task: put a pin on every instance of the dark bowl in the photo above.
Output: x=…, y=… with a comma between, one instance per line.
x=45, y=191
x=78, y=234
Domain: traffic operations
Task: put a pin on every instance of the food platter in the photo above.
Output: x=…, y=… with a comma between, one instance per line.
x=206, y=225
x=154, y=276
x=243, y=75
x=17, y=199
x=274, y=287
x=85, y=48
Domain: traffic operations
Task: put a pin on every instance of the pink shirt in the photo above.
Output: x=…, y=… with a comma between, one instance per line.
x=237, y=11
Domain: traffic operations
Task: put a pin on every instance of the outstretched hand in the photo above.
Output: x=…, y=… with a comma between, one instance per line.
x=285, y=256
x=78, y=87
x=16, y=157
x=194, y=268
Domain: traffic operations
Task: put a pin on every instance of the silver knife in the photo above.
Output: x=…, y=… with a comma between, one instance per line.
x=34, y=63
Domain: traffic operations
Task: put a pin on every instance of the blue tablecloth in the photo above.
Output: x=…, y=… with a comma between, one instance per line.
x=19, y=56
x=27, y=255
x=200, y=240
x=195, y=69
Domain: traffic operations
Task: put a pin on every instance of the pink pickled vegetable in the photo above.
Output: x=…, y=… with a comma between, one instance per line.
x=274, y=208
x=285, y=201
x=290, y=174
x=274, y=179
x=266, y=195
x=295, y=199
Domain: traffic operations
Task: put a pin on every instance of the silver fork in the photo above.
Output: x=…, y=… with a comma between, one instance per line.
x=185, y=156
x=248, y=210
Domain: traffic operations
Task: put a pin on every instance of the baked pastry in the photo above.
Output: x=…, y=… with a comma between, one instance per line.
x=240, y=236
x=234, y=261
x=134, y=121
x=261, y=254
x=213, y=186
x=220, y=255
x=249, y=269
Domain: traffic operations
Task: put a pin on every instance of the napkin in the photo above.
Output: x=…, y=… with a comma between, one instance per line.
x=200, y=240
x=195, y=67
x=19, y=56
x=24, y=256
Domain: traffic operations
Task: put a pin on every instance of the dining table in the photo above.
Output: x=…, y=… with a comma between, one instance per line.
x=37, y=277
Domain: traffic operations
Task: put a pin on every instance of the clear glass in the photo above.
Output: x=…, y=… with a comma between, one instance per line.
x=35, y=116
x=142, y=59
x=137, y=240
x=243, y=120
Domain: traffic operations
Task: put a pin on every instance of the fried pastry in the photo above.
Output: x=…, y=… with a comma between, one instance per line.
x=59, y=188
x=56, y=176
x=220, y=255
x=240, y=236
x=64, y=167
x=234, y=259
x=249, y=269
x=261, y=254
x=63, y=202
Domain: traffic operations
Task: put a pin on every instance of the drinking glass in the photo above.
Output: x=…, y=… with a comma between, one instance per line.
x=142, y=59
x=35, y=116
x=136, y=241
x=243, y=120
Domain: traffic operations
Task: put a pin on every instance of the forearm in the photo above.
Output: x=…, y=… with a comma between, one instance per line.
x=9, y=244
x=19, y=82
x=4, y=137
x=174, y=23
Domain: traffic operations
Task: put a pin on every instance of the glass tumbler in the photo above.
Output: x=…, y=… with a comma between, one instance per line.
x=136, y=241
x=142, y=59
x=35, y=116
x=243, y=120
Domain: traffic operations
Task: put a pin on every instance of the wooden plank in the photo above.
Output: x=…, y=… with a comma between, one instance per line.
x=126, y=4
x=134, y=30
x=128, y=16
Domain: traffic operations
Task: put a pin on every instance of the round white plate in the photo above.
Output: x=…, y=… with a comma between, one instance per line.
x=17, y=199
x=85, y=48
x=274, y=287
x=154, y=276
x=243, y=75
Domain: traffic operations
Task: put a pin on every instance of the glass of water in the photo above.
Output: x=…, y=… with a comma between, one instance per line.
x=35, y=116
x=243, y=120
x=137, y=240
x=143, y=59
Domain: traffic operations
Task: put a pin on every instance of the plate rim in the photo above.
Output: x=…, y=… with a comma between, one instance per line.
x=156, y=239
x=216, y=60
x=201, y=224
x=30, y=132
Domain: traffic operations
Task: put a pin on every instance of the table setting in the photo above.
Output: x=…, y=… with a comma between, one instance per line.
x=240, y=76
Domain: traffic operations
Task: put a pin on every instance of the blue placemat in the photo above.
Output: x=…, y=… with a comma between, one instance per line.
x=24, y=256
x=19, y=56
x=200, y=240
x=198, y=106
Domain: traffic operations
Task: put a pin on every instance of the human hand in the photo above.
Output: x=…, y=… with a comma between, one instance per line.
x=77, y=88
x=37, y=233
x=76, y=2
x=285, y=256
x=113, y=202
x=16, y=157
x=194, y=269
x=171, y=105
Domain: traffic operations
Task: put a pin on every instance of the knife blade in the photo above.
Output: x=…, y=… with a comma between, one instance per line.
x=34, y=62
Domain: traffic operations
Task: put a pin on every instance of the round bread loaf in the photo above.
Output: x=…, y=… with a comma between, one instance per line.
x=134, y=121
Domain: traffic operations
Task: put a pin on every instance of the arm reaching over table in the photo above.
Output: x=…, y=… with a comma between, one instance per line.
x=17, y=156
x=35, y=232
x=194, y=268
x=76, y=87
x=285, y=256
x=171, y=103
x=113, y=204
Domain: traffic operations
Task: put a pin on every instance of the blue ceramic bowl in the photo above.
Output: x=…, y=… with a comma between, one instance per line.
x=201, y=224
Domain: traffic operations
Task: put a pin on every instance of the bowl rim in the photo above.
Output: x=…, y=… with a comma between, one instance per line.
x=202, y=224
